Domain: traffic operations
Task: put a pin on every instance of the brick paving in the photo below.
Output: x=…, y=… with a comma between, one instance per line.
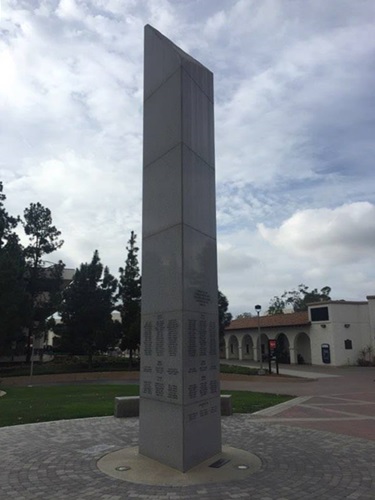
x=343, y=404
x=57, y=460
x=319, y=446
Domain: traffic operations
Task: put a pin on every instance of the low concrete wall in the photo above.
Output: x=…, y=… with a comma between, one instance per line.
x=226, y=405
x=128, y=406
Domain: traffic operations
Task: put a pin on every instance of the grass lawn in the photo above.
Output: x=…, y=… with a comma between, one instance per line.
x=79, y=364
x=68, y=364
x=238, y=370
x=249, y=402
x=24, y=405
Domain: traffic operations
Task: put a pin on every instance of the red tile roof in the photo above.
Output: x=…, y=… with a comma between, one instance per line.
x=274, y=320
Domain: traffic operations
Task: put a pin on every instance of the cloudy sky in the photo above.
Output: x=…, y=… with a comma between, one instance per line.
x=295, y=128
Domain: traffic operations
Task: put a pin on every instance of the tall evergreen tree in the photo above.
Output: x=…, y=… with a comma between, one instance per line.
x=129, y=297
x=86, y=309
x=13, y=299
x=7, y=222
x=225, y=317
x=43, y=284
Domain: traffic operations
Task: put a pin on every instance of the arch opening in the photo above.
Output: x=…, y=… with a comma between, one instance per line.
x=303, y=349
x=233, y=351
x=283, y=350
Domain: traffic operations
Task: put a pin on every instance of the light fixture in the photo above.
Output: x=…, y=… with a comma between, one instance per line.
x=122, y=468
x=242, y=467
x=347, y=325
x=323, y=326
x=258, y=308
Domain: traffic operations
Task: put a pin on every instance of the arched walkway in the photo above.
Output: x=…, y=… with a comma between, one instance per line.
x=282, y=346
x=264, y=344
x=247, y=348
x=303, y=348
x=233, y=351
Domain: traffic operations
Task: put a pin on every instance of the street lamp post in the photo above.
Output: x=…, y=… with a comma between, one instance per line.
x=258, y=309
x=32, y=360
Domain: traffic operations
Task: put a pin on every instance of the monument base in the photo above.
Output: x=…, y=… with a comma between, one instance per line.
x=174, y=442
x=232, y=464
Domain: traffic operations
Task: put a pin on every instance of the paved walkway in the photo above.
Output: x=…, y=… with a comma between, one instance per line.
x=339, y=400
x=302, y=457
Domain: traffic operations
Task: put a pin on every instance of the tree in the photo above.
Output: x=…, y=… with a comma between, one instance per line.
x=130, y=299
x=13, y=298
x=7, y=222
x=43, y=236
x=277, y=305
x=298, y=299
x=244, y=315
x=12, y=284
x=86, y=310
x=225, y=317
x=43, y=284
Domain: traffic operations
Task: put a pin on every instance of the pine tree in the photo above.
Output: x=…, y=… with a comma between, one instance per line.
x=13, y=299
x=7, y=222
x=44, y=284
x=86, y=310
x=130, y=299
x=225, y=317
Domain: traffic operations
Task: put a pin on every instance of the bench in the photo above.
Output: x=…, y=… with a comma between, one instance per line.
x=128, y=406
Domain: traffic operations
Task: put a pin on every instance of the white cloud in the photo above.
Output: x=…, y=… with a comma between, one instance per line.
x=69, y=9
x=329, y=237
x=294, y=131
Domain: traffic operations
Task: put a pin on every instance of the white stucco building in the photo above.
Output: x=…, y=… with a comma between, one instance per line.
x=328, y=333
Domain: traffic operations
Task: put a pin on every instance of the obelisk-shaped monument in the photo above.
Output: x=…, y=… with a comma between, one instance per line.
x=179, y=387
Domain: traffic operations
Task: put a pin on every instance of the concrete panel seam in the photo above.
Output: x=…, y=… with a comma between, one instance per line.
x=182, y=224
x=197, y=84
x=163, y=83
x=147, y=165
x=200, y=232
x=212, y=167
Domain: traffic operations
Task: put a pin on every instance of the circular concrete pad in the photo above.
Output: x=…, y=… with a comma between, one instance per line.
x=232, y=464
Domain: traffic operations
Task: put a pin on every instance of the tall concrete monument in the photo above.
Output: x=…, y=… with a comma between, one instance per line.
x=179, y=390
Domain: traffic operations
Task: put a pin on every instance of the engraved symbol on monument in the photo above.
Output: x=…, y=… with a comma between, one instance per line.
x=172, y=337
x=159, y=348
x=202, y=297
x=202, y=337
x=147, y=339
x=212, y=332
x=193, y=391
x=147, y=387
x=159, y=389
x=172, y=391
x=192, y=338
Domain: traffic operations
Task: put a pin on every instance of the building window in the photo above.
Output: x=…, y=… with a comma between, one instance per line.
x=348, y=344
x=231, y=348
x=319, y=314
x=247, y=349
